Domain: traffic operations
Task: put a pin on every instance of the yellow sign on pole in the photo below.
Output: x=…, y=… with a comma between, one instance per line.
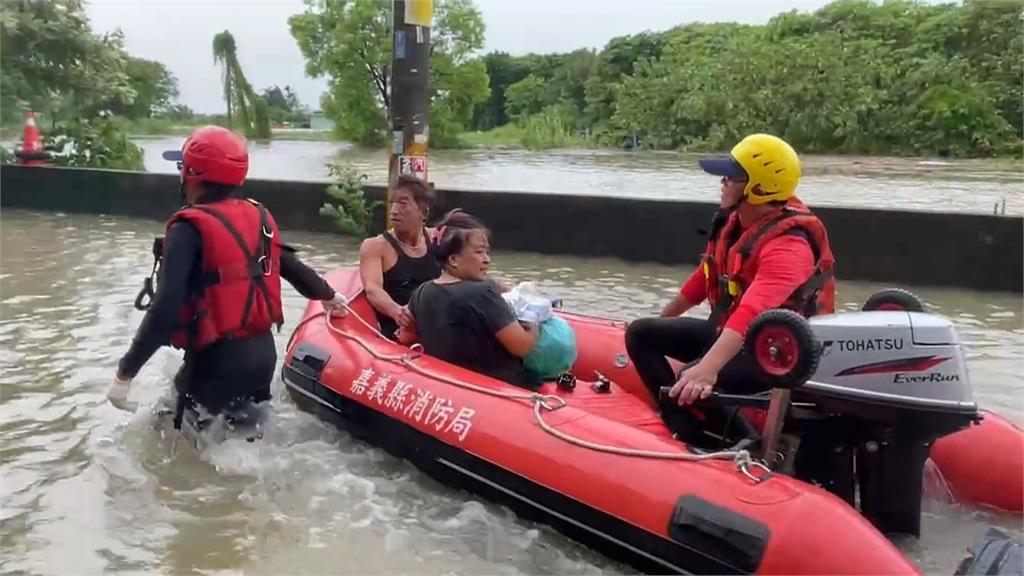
x=419, y=12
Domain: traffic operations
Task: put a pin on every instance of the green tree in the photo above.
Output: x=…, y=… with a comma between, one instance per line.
x=52, y=62
x=155, y=89
x=617, y=60
x=250, y=109
x=349, y=41
x=571, y=76
x=503, y=71
x=899, y=77
x=274, y=97
x=522, y=86
x=348, y=209
x=283, y=104
x=93, y=143
x=525, y=98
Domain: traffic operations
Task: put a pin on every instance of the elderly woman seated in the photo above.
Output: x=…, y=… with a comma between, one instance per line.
x=461, y=318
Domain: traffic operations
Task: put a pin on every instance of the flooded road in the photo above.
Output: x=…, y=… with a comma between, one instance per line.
x=975, y=186
x=88, y=489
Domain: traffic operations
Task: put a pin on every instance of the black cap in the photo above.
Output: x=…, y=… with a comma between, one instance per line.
x=725, y=166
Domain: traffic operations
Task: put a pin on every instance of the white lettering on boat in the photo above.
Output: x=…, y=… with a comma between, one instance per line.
x=439, y=412
x=396, y=398
x=414, y=403
x=359, y=384
x=462, y=422
x=379, y=388
x=419, y=405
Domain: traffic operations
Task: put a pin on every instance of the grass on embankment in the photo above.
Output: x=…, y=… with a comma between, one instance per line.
x=536, y=133
x=164, y=127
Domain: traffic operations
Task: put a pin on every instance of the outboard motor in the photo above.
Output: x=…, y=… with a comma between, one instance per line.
x=883, y=386
x=888, y=384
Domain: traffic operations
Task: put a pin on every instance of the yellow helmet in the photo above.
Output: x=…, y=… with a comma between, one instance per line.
x=769, y=165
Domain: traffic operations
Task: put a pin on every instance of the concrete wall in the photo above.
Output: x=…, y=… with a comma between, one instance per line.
x=898, y=247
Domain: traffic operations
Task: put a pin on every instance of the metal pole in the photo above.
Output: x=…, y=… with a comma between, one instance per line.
x=409, y=90
x=773, y=426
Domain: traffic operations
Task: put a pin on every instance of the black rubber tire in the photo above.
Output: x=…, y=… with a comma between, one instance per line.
x=806, y=342
x=904, y=299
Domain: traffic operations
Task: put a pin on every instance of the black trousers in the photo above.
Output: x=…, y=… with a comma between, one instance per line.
x=650, y=340
x=227, y=373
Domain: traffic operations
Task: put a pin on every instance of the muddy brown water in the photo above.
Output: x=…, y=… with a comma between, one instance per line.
x=88, y=489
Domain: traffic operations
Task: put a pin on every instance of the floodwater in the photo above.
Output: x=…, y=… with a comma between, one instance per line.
x=88, y=489
x=976, y=186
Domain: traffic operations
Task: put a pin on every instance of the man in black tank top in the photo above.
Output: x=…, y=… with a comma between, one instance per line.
x=396, y=262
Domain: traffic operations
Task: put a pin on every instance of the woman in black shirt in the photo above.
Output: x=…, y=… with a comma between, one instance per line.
x=461, y=317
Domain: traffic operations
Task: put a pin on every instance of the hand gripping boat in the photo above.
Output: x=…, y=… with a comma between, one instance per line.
x=595, y=460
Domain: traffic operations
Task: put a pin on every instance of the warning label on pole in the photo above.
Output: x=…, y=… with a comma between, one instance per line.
x=414, y=165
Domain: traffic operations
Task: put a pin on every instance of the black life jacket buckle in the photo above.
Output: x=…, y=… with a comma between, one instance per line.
x=603, y=384
x=724, y=294
x=267, y=232
x=145, y=296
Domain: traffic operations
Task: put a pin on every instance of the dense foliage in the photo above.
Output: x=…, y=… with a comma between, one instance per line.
x=52, y=62
x=857, y=76
x=349, y=42
x=93, y=143
x=898, y=77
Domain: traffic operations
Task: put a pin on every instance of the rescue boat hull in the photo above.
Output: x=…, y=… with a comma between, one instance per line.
x=658, y=515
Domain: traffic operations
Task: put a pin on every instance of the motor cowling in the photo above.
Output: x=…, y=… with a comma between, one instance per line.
x=899, y=357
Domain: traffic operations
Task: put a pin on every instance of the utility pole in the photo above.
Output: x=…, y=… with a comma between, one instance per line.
x=410, y=83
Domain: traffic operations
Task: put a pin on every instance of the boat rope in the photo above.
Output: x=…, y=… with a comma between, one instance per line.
x=742, y=459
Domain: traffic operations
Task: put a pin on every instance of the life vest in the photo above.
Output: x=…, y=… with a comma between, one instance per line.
x=730, y=265
x=238, y=294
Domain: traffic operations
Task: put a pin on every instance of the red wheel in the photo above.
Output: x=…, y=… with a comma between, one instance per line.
x=776, y=350
x=782, y=348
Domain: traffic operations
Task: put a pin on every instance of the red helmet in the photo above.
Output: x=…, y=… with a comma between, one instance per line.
x=212, y=154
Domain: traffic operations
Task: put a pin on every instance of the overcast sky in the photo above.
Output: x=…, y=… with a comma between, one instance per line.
x=179, y=33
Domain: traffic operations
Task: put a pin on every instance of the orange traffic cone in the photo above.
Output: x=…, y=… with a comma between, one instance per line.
x=31, y=152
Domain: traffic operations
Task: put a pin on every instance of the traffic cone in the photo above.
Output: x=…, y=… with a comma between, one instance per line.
x=31, y=152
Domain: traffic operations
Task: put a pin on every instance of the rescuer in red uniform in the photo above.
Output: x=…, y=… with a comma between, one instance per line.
x=765, y=250
x=219, y=293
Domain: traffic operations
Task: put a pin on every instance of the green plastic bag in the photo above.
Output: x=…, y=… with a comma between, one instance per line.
x=555, y=350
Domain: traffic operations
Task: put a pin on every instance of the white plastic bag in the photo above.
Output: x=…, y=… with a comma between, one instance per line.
x=527, y=303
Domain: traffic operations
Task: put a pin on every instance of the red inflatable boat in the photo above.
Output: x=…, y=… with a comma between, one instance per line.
x=596, y=462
